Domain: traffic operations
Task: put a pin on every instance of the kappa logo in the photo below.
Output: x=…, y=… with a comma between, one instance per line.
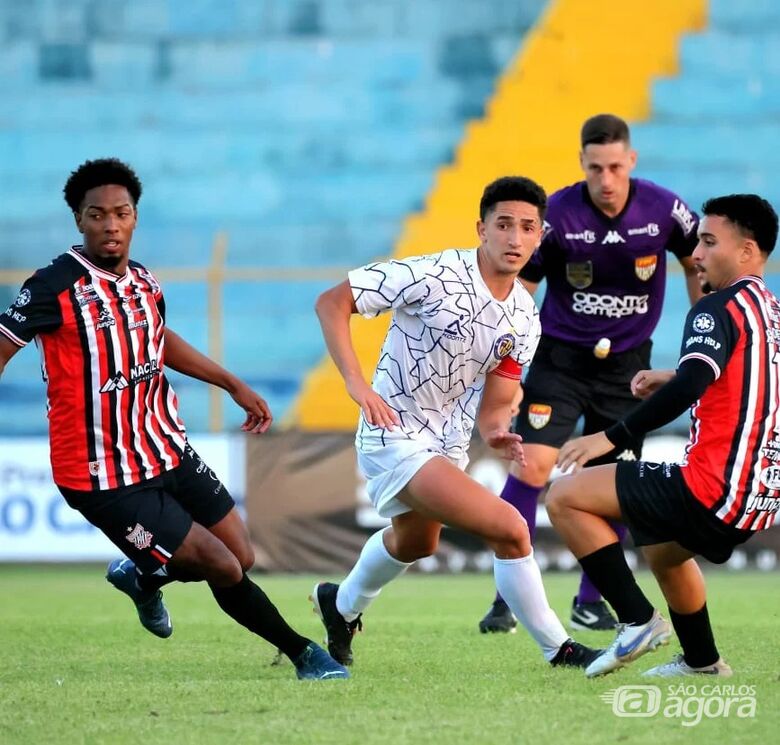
x=613, y=237
x=139, y=536
x=116, y=383
x=626, y=455
x=539, y=415
x=644, y=267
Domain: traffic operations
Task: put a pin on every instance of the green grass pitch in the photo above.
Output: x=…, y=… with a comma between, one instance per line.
x=78, y=668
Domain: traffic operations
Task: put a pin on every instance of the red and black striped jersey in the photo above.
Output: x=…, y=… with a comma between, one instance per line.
x=732, y=460
x=113, y=415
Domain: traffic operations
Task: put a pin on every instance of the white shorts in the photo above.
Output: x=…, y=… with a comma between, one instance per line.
x=389, y=468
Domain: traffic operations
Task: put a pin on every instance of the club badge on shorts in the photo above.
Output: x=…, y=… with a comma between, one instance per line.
x=539, y=415
x=579, y=274
x=644, y=267
x=139, y=536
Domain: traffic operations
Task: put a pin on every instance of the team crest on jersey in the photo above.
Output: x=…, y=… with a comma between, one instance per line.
x=503, y=346
x=539, y=415
x=644, y=266
x=579, y=274
x=140, y=537
x=94, y=467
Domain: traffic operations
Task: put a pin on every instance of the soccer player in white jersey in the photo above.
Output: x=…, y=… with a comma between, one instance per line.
x=463, y=327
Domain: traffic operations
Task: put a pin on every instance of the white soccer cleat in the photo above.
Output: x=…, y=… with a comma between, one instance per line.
x=631, y=642
x=678, y=666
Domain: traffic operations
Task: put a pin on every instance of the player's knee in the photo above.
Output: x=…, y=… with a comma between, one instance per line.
x=534, y=473
x=513, y=539
x=246, y=558
x=556, y=499
x=414, y=547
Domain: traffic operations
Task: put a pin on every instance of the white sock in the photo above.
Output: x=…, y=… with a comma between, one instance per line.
x=373, y=570
x=519, y=582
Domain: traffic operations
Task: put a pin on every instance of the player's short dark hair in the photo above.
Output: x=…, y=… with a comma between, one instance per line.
x=100, y=172
x=604, y=129
x=512, y=189
x=752, y=214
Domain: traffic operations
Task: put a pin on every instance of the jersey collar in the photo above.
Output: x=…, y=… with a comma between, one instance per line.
x=75, y=252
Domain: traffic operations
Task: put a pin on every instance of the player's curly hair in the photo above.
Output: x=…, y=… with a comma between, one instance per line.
x=512, y=189
x=100, y=172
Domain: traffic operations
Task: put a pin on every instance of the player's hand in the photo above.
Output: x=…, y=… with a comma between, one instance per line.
x=577, y=452
x=508, y=444
x=647, y=382
x=258, y=415
x=376, y=410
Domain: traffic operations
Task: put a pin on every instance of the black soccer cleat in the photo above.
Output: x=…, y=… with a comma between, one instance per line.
x=499, y=619
x=574, y=654
x=338, y=631
x=591, y=616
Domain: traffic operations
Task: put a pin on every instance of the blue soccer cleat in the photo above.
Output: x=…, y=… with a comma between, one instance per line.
x=314, y=663
x=151, y=610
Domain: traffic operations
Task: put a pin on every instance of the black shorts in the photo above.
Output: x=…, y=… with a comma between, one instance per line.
x=566, y=382
x=148, y=521
x=658, y=507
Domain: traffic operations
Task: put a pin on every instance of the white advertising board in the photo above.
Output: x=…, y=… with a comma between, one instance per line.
x=36, y=523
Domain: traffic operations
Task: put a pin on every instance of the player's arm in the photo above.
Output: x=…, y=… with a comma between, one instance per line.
x=685, y=388
x=495, y=415
x=334, y=308
x=185, y=359
x=691, y=280
x=7, y=350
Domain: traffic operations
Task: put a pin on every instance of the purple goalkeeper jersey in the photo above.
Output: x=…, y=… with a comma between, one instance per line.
x=606, y=277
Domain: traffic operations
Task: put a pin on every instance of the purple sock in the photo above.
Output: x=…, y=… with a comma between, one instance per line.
x=523, y=498
x=588, y=592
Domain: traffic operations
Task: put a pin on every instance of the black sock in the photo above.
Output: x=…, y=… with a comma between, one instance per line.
x=695, y=635
x=607, y=569
x=153, y=582
x=250, y=606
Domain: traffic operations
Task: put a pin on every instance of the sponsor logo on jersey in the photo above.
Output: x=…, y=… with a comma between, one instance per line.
x=23, y=298
x=586, y=235
x=703, y=323
x=579, y=274
x=454, y=331
x=116, y=383
x=613, y=236
x=14, y=315
x=139, y=536
x=650, y=229
x=105, y=319
x=138, y=374
x=644, y=266
x=611, y=306
x=762, y=503
x=770, y=477
x=503, y=346
x=539, y=415
x=683, y=215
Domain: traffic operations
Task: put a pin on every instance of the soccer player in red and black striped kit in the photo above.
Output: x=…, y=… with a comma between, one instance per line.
x=728, y=485
x=119, y=450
